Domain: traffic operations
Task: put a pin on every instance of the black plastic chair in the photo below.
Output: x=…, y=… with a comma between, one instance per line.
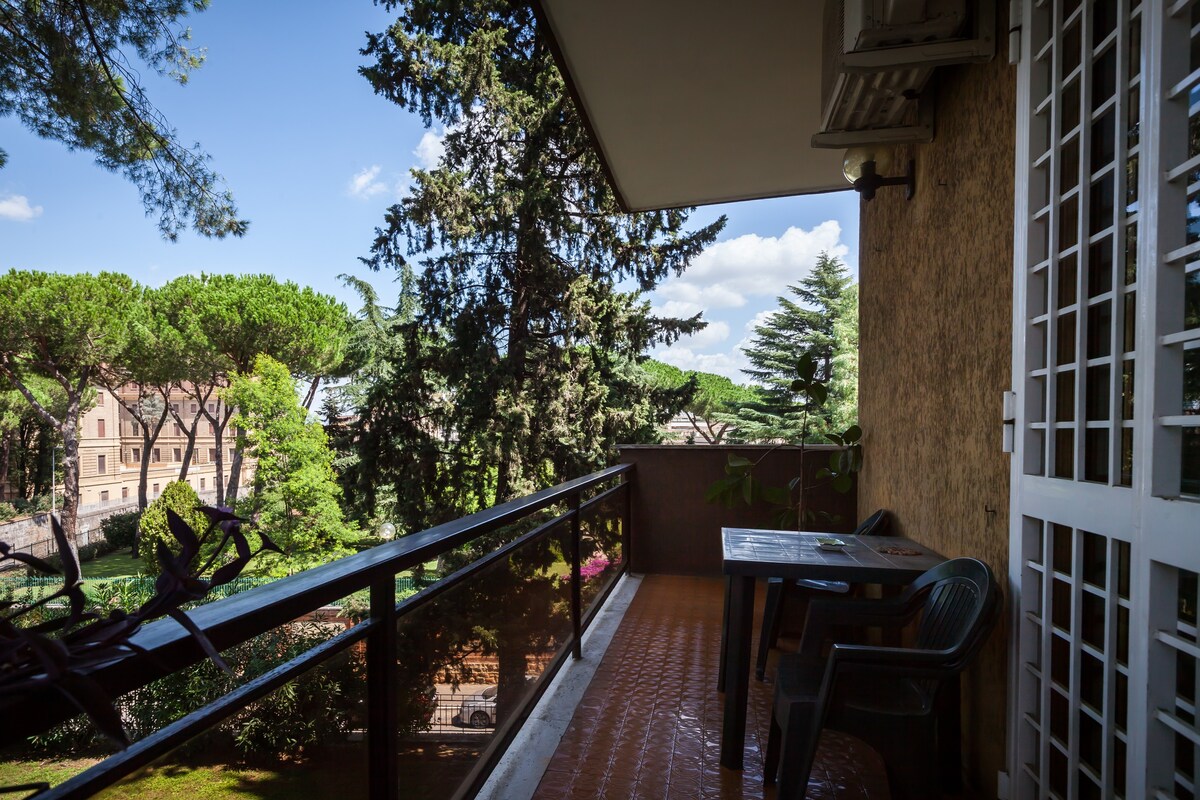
x=890, y=697
x=778, y=590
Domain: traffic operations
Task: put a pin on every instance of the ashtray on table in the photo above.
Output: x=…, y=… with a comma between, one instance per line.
x=830, y=544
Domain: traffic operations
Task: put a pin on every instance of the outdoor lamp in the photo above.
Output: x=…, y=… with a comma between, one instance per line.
x=387, y=531
x=864, y=168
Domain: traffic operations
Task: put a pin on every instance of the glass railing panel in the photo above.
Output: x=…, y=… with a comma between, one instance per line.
x=601, y=546
x=471, y=657
x=306, y=739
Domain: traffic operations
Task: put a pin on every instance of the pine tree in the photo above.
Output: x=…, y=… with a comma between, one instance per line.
x=519, y=368
x=806, y=324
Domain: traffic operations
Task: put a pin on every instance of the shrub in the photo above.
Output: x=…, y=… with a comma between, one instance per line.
x=120, y=529
x=320, y=706
x=181, y=498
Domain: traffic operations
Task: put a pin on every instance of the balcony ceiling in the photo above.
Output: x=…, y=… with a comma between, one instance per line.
x=699, y=102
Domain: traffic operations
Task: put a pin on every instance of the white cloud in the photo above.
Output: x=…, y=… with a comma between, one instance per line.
x=366, y=184
x=713, y=334
x=430, y=148
x=16, y=207
x=758, y=320
x=729, y=272
x=677, y=308
x=715, y=295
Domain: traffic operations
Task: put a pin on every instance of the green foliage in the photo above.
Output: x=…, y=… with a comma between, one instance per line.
x=227, y=321
x=70, y=71
x=54, y=641
x=319, y=707
x=120, y=530
x=295, y=494
x=809, y=325
x=522, y=348
x=180, y=497
x=63, y=328
x=715, y=396
x=807, y=393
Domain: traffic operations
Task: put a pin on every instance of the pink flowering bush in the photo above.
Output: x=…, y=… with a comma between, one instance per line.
x=593, y=567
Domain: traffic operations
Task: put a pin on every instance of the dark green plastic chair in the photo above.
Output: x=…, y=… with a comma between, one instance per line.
x=890, y=697
x=778, y=590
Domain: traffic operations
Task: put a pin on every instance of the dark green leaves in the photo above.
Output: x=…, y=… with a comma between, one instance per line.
x=59, y=651
x=67, y=73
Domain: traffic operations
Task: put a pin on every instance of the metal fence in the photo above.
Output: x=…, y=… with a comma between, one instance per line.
x=505, y=597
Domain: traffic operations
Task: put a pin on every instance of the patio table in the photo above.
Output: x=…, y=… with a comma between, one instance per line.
x=750, y=553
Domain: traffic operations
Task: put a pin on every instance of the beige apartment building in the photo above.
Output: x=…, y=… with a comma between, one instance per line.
x=111, y=452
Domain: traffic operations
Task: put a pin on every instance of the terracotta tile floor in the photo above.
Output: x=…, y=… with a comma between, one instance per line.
x=649, y=725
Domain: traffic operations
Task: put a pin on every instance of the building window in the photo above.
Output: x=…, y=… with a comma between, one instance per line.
x=99, y=398
x=212, y=408
x=137, y=455
x=104, y=496
x=232, y=455
x=194, y=407
x=211, y=430
x=100, y=427
x=202, y=483
x=124, y=492
x=157, y=456
x=101, y=465
x=155, y=490
x=178, y=430
x=175, y=407
x=212, y=454
x=178, y=455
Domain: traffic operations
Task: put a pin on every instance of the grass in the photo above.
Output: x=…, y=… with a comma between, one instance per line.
x=113, y=565
x=181, y=781
x=432, y=770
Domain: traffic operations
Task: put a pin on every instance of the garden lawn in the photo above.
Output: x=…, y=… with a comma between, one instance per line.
x=113, y=565
x=173, y=781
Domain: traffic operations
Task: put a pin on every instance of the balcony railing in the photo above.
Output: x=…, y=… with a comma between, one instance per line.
x=525, y=579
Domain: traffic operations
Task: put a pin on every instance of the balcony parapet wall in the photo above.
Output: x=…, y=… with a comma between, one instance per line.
x=676, y=532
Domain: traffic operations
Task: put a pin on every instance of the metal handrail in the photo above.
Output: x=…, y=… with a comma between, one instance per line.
x=240, y=617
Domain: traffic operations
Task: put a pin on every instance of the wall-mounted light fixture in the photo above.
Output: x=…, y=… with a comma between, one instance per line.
x=864, y=168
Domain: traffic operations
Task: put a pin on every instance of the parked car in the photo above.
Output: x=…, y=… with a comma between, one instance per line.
x=479, y=710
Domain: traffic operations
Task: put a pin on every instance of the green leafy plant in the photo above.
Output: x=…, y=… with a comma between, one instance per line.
x=53, y=641
x=120, y=530
x=809, y=391
x=179, y=498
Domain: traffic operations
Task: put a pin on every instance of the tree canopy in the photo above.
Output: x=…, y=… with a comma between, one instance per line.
x=295, y=493
x=227, y=321
x=519, y=367
x=713, y=402
x=70, y=71
x=63, y=328
x=809, y=323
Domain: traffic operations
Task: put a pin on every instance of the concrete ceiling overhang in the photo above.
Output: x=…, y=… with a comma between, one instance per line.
x=698, y=102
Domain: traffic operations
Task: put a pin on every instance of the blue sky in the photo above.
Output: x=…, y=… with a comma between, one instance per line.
x=314, y=158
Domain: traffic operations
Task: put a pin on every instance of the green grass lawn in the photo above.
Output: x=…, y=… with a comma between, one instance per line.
x=432, y=770
x=113, y=565
x=175, y=781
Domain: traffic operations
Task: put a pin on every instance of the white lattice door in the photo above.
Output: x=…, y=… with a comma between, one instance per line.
x=1105, y=539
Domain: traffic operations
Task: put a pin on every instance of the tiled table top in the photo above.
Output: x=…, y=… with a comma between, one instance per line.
x=788, y=554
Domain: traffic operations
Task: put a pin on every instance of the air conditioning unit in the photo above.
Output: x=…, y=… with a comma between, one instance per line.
x=878, y=58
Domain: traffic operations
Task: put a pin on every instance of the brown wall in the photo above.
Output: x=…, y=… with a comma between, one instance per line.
x=676, y=532
x=936, y=308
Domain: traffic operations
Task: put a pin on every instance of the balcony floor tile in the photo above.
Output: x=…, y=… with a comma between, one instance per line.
x=649, y=725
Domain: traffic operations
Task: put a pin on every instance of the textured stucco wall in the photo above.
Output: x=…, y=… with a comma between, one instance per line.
x=936, y=311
